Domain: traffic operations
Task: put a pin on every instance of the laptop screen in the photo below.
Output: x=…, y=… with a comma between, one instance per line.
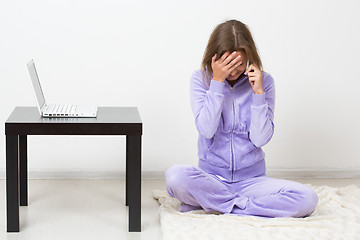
x=36, y=84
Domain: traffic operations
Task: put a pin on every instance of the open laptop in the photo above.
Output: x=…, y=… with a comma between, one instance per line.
x=56, y=110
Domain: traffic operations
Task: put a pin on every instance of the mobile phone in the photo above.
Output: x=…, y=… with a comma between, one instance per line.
x=247, y=66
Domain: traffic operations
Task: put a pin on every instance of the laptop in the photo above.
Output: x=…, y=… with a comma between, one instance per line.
x=56, y=110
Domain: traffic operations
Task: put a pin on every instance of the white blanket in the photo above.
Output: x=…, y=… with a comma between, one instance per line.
x=337, y=216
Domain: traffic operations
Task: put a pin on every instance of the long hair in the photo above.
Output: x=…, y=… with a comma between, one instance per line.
x=229, y=36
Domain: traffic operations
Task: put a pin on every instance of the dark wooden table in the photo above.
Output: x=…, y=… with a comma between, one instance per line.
x=25, y=121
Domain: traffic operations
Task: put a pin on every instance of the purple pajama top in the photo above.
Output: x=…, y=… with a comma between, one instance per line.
x=233, y=124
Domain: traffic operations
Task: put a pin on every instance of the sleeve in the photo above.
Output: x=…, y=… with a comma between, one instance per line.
x=206, y=104
x=262, y=113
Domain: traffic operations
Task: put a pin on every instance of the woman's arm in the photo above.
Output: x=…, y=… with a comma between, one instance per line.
x=262, y=113
x=206, y=104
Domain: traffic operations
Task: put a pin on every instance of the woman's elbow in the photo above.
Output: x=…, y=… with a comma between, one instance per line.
x=262, y=139
x=206, y=132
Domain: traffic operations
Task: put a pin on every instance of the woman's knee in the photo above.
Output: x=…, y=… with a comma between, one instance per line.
x=177, y=177
x=313, y=199
x=308, y=202
x=174, y=174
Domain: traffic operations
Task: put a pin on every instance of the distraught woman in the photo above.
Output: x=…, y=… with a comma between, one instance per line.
x=233, y=102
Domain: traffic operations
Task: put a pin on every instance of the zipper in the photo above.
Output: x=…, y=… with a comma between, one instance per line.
x=232, y=130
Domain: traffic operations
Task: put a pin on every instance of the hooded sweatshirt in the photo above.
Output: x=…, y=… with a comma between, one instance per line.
x=233, y=124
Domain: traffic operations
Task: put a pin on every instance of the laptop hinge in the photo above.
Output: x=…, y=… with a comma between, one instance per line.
x=43, y=109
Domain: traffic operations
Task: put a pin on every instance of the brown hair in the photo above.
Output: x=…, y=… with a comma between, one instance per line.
x=229, y=36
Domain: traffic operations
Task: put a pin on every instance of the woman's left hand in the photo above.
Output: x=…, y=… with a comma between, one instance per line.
x=255, y=79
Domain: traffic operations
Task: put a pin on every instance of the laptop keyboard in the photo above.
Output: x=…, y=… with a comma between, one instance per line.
x=61, y=110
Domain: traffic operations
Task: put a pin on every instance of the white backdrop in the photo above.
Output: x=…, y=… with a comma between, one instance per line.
x=142, y=53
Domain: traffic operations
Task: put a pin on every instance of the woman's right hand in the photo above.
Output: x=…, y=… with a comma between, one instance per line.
x=225, y=65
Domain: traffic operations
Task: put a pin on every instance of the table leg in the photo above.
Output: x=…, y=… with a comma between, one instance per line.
x=134, y=154
x=12, y=183
x=127, y=173
x=23, y=170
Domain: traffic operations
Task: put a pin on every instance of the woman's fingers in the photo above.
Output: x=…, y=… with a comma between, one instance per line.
x=223, y=57
x=237, y=64
x=234, y=62
x=251, y=69
x=213, y=59
x=230, y=57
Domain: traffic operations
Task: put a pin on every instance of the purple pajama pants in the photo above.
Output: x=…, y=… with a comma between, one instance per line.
x=259, y=196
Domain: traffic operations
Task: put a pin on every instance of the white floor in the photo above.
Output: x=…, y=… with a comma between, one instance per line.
x=94, y=209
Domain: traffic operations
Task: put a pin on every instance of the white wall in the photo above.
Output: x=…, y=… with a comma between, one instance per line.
x=142, y=53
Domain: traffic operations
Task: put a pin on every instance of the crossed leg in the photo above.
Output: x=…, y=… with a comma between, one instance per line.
x=271, y=197
x=259, y=196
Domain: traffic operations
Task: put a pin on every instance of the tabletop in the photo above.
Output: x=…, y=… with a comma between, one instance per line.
x=109, y=121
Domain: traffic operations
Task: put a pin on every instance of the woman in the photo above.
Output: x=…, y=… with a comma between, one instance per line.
x=233, y=106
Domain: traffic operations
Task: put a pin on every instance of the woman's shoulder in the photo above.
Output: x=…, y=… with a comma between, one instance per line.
x=198, y=74
x=200, y=79
x=266, y=74
x=201, y=73
x=267, y=78
x=267, y=81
